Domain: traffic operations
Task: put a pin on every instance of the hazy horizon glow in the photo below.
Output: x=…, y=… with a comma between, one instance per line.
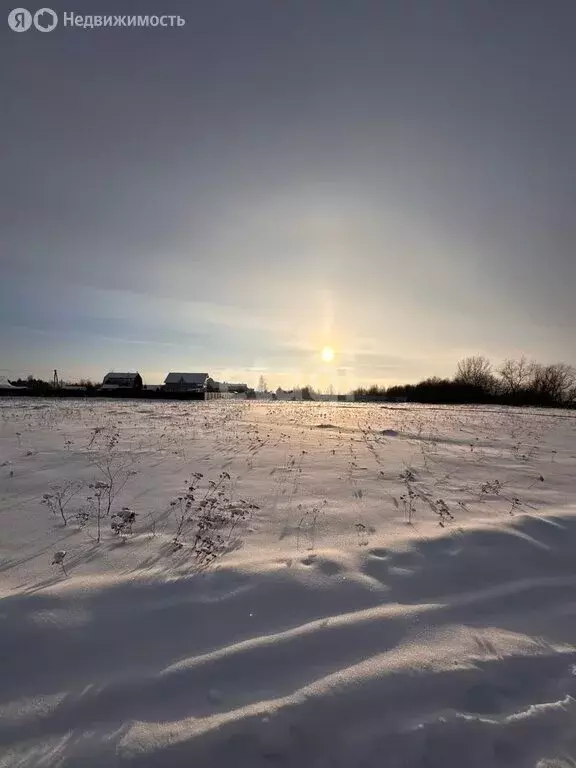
x=395, y=180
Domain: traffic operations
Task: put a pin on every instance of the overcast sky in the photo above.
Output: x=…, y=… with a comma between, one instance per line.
x=394, y=178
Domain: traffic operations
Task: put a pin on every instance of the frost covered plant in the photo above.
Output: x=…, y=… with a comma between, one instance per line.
x=408, y=498
x=99, y=503
x=58, y=559
x=443, y=512
x=105, y=437
x=491, y=488
x=82, y=516
x=362, y=533
x=215, y=494
x=60, y=497
x=182, y=508
x=239, y=513
x=208, y=522
x=539, y=479
x=115, y=469
x=308, y=523
x=122, y=522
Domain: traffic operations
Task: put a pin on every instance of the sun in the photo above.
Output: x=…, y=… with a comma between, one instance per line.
x=327, y=354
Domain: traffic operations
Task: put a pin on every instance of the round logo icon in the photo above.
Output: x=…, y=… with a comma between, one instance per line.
x=45, y=20
x=19, y=20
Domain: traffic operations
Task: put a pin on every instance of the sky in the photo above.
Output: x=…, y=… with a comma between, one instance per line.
x=395, y=179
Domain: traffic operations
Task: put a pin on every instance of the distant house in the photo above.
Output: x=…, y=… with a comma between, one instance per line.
x=122, y=381
x=227, y=386
x=186, y=382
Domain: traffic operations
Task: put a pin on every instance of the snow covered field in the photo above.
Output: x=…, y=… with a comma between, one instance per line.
x=283, y=611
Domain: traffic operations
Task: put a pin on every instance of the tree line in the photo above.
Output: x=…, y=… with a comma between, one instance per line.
x=519, y=382
x=514, y=382
x=42, y=387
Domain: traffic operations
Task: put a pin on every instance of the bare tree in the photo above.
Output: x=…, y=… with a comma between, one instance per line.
x=556, y=381
x=475, y=371
x=515, y=374
x=262, y=384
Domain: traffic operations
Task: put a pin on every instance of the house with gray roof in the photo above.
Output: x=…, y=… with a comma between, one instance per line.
x=186, y=382
x=114, y=380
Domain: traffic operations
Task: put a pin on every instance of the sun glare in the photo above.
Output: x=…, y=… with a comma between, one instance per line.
x=327, y=354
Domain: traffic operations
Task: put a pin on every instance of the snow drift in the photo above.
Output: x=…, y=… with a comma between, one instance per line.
x=327, y=630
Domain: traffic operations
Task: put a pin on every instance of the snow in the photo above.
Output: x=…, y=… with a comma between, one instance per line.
x=327, y=630
x=5, y=384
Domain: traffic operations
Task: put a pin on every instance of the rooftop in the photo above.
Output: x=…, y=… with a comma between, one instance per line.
x=187, y=378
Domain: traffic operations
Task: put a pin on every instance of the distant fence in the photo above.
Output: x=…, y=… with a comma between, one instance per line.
x=220, y=395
